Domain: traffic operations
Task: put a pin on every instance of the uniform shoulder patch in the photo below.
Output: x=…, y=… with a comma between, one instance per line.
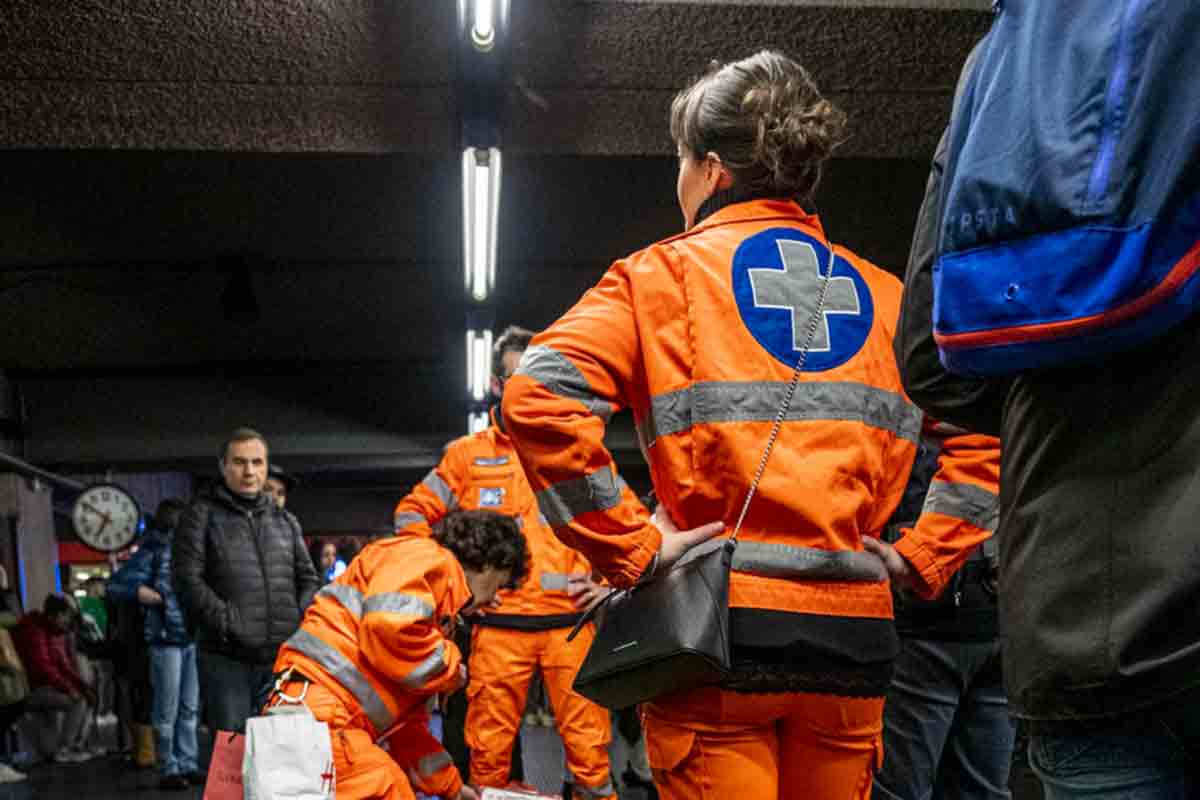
x=777, y=276
x=491, y=496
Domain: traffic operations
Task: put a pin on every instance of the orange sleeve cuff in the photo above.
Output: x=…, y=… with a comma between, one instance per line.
x=931, y=579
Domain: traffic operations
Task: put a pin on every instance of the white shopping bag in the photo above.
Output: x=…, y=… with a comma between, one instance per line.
x=289, y=756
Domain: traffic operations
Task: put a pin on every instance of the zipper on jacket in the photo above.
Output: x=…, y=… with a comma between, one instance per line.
x=1114, y=105
x=262, y=563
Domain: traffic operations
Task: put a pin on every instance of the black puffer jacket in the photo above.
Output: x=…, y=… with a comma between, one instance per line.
x=243, y=573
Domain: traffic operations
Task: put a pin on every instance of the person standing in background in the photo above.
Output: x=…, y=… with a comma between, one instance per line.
x=146, y=579
x=527, y=633
x=244, y=576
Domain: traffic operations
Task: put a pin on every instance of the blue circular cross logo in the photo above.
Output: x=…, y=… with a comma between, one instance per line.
x=777, y=276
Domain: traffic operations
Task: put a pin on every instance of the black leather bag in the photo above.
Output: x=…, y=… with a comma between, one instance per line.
x=667, y=634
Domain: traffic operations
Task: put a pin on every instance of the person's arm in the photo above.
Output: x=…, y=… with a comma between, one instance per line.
x=972, y=403
x=573, y=377
x=960, y=511
x=188, y=556
x=435, y=496
x=400, y=637
x=135, y=573
x=305, y=572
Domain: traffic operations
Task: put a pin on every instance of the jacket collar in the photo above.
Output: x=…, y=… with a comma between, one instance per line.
x=756, y=210
x=225, y=497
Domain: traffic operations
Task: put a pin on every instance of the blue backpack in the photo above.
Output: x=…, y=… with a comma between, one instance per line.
x=1070, y=204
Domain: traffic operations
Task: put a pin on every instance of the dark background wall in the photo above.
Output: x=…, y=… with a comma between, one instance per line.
x=232, y=212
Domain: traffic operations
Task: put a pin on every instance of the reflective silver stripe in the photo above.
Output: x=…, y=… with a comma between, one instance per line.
x=397, y=603
x=554, y=581
x=405, y=518
x=761, y=400
x=964, y=501
x=342, y=670
x=809, y=563
x=555, y=371
x=564, y=501
x=349, y=597
x=579, y=790
x=429, y=668
x=442, y=489
x=433, y=763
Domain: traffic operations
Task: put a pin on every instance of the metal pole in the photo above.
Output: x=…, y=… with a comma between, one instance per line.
x=30, y=471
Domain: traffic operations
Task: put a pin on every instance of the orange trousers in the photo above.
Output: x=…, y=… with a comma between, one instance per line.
x=712, y=744
x=502, y=665
x=364, y=770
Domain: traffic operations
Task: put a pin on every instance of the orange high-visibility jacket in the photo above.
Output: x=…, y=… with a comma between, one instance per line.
x=699, y=335
x=378, y=637
x=481, y=471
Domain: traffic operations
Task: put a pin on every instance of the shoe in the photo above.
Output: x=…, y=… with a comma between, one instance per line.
x=196, y=778
x=65, y=756
x=171, y=783
x=85, y=753
x=10, y=775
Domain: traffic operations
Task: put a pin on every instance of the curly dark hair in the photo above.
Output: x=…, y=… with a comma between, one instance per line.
x=482, y=539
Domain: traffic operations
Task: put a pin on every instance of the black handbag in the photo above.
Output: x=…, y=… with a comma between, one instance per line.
x=664, y=635
x=670, y=632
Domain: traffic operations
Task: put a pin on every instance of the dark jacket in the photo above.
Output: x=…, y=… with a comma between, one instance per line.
x=1099, y=579
x=242, y=573
x=46, y=654
x=151, y=566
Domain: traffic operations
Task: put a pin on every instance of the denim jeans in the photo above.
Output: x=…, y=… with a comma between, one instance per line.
x=233, y=690
x=175, y=708
x=1150, y=755
x=946, y=727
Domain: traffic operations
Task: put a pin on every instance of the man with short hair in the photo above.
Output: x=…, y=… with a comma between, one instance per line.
x=54, y=681
x=241, y=568
x=527, y=632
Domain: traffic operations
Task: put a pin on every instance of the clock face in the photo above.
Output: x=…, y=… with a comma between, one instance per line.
x=106, y=517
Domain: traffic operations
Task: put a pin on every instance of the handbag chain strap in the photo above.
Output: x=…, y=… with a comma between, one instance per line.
x=791, y=392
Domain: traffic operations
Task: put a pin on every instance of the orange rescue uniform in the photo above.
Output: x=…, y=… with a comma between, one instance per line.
x=527, y=631
x=372, y=651
x=699, y=335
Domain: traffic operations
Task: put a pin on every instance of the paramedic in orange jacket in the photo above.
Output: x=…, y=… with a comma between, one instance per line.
x=699, y=335
x=376, y=646
x=527, y=631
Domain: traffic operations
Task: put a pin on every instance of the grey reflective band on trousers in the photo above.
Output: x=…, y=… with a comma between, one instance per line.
x=807, y=563
x=554, y=581
x=564, y=501
x=579, y=790
x=405, y=518
x=760, y=401
x=431, y=764
x=555, y=371
x=442, y=489
x=342, y=670
x=431, y=667
x=964, y=501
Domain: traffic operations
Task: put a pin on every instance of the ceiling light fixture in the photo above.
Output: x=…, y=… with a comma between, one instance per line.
x=481, y=214
x=479, y=363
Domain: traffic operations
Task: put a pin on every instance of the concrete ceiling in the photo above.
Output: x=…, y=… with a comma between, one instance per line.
x=152, y=149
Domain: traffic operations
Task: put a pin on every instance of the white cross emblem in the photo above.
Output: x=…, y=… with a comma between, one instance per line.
x=796, y=287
